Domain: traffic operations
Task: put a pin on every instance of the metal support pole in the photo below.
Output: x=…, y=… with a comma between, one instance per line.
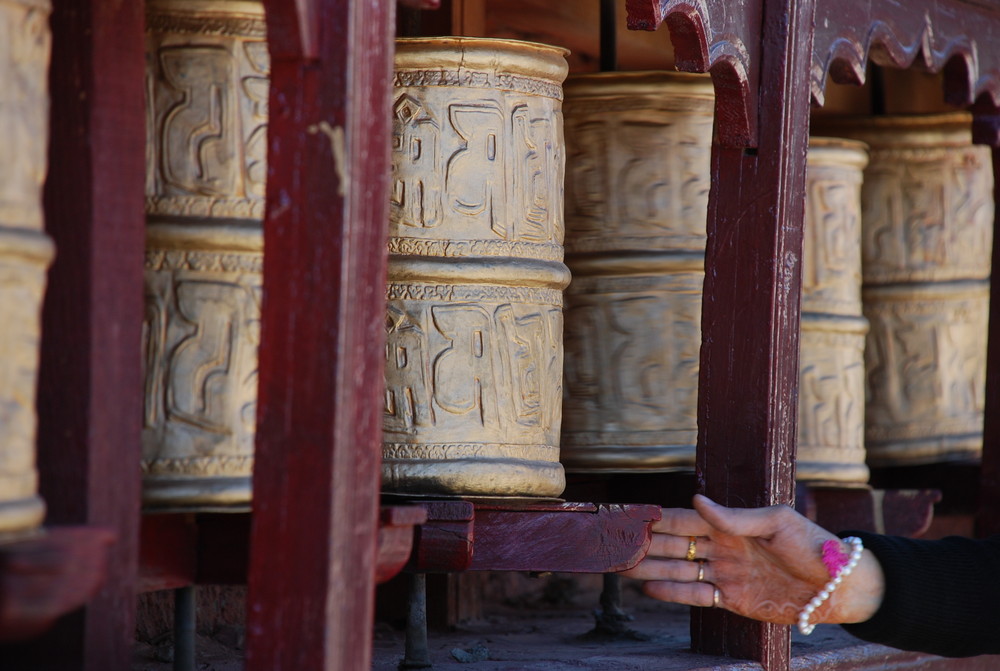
x=184, y=625
x=417, y=655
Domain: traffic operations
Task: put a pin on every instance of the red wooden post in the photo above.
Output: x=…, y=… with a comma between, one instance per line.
x=747, y=406
x=986, y=130
x=316, y=475
x=90, y=385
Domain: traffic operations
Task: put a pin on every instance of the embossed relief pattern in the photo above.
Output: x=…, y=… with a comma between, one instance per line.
x=928, y=214
x=24, y=65
x=638, y=147
x=201, y=334
x=25, y=251
x=474, y=351
x=477, y=170
x=926, y=241
x=638, y=175
x=925, y=359
x=207, y=87
x=831, y=361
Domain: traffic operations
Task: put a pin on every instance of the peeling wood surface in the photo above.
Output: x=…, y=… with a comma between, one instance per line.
x=316, y=477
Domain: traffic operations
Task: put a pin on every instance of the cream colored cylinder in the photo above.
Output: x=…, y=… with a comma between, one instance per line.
x=474, y=322
x=639, y=151
x=207, y=94
x=926, y=241
x=831, y=445
x=25, y=251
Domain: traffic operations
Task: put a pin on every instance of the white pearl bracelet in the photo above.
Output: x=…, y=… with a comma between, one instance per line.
x=856, y=549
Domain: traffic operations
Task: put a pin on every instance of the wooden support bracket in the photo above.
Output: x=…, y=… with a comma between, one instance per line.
x=569, y=537
x=47, y=576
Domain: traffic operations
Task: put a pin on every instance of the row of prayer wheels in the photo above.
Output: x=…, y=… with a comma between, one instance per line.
x=478, y=398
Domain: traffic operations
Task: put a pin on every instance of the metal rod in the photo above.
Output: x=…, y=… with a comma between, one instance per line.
x=877, y=79
x=184, y=625
x=609, y=41
x=416, y=656
x=611, y=597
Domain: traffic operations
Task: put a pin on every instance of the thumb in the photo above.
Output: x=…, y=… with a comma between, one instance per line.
x=756, y=522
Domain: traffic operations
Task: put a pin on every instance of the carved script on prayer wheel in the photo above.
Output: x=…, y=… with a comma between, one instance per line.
x=831, y=361
x=207, y=93
x=638, y=148
x=927, y=221
x=474, y=319
x=25, y=251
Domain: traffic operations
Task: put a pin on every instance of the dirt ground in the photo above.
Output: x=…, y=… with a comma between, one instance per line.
x=527, y=625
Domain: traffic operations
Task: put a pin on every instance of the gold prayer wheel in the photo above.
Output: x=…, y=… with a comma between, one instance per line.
x=207, y=93
x=474, y=318
x=831, y=445
x=927, y=220
x=639, y=152
x=25, y=252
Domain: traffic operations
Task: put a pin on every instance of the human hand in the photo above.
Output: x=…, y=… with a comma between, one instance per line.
x=766, y=563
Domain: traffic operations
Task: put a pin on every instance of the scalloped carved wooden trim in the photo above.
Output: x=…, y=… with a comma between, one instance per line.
x=719, y=38
x=955, y=37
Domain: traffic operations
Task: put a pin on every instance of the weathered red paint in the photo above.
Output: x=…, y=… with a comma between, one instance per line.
x=747, y=404
x=569, y=537
x=316, y=475
x=718, y=37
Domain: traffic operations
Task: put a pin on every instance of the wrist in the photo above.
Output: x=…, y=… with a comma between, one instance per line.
x=860, y=596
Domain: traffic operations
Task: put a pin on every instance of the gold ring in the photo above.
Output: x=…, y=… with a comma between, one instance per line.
x=692, y=548
x=701, y=571
x=716, y=595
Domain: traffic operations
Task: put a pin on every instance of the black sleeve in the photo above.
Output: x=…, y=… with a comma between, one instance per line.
x=941, y=597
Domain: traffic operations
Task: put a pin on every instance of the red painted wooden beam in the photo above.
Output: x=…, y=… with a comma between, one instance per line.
x=444, y=543
x=898, y=512
x=43, y=578
x=316, y=475
x=168, y=552
x=395, y=539
x=747, y=402
x=722, y=38
x=565, y=537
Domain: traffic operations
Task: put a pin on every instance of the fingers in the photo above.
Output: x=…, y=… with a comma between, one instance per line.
x=755, y=522
x=677, y=570
x=690, y=593
x=677, y=547
x=681, y=522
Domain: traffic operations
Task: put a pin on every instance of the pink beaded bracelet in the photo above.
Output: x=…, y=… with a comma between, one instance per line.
x=839, y=565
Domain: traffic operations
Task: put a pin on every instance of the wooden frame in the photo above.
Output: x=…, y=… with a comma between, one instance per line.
x=314, y=535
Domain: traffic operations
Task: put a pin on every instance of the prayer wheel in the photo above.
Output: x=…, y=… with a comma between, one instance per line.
x=927, y=219
x=25, y=251
x=207, y=93
x=639, y=151
x=831, y=445
x=474, y=318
